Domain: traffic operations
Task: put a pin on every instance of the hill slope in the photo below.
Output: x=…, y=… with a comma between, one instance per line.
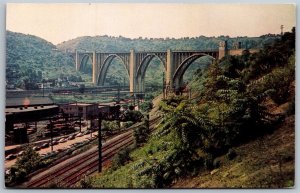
x=267, y=162
x=31, y=59
x=121, y=44
x=237, y=131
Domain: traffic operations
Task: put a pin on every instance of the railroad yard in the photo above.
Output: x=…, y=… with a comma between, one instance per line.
x=74, y=155
x=70, y=170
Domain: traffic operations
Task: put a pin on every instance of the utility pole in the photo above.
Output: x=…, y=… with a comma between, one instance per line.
x=100, y=142
x=163, y=87
x=118, y=96
x=51, y=130
x=91, y=127
x=80, y=123
x=281, y=27
x=43, y=88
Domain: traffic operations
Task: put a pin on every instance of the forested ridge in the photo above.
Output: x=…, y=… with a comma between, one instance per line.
x=123, y=44
x=30, y=59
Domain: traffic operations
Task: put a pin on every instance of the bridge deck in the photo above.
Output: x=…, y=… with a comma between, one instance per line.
x=152, y=52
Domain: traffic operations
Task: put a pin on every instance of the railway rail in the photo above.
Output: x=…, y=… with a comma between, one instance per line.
x=86, y=163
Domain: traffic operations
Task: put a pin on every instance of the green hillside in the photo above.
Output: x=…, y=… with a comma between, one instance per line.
x=29, y=59
x=121, y=44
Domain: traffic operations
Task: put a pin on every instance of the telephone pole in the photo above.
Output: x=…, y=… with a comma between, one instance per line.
x=163, y=85
x=99, y=142
x=281, y=27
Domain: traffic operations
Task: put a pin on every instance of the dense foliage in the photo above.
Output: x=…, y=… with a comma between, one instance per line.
x=30, y=59
x=29, y=162
x=231, y=108
x=121, y=44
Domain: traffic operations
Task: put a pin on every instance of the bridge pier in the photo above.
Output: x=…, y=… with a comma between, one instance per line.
x=94, y=69
x=223, y=49
x=132, y=72
x=139, y=84
x=170, y=69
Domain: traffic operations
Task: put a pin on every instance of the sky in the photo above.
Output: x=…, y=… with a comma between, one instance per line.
x=61, y=22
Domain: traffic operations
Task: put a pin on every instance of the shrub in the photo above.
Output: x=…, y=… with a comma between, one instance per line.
x=17, y=175
x=146, y=106
x=208, y=162
x=141, y=134
x=231, y=154
x=216, y=163
x=54, y=184
x=86, y=183
x=121, y=158
x=291, y=108
x=29, y=162
x=128, y=124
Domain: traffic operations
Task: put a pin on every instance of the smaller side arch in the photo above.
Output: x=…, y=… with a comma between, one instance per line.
x=72, y=56
x=83, y=62
x=141, y=71
x=104, y=68
x=144, y=64
x=178, y=75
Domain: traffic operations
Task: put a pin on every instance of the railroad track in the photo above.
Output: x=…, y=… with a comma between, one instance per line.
x=91, y=167
x=85, y=164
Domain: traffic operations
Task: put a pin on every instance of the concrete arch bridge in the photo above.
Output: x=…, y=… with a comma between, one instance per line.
x=136, y=63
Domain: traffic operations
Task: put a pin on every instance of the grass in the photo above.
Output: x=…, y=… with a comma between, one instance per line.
x=142, y=159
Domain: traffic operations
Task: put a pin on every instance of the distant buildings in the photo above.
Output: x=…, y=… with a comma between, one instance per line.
x=84, y=110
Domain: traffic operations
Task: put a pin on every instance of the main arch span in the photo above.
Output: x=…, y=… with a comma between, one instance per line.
x=175, y=64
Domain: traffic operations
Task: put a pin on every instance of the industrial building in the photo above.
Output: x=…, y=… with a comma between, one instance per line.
x=84, y=110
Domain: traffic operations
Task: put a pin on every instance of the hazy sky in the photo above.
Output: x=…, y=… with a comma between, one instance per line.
x=61, y=22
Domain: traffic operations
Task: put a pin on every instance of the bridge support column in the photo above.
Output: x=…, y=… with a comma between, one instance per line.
x=178, y=82
x=140, y=85
x=170, y=69
x=223, y=49
x=94, y=70
x=132, y=72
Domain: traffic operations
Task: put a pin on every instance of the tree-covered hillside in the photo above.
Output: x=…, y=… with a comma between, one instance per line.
x=29, y=59
x=119, y=44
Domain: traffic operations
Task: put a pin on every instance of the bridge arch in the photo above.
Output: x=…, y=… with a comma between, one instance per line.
x=84, y=61
x=178, y=75
x=106, y=64
x=142, y=68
